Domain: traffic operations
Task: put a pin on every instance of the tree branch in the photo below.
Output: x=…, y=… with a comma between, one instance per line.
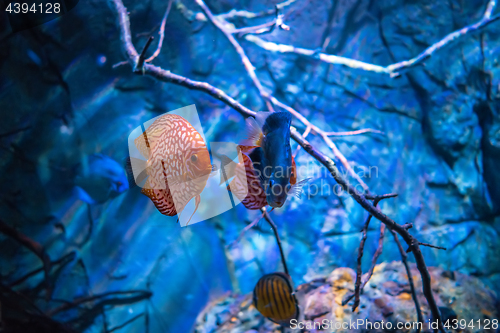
x=358, y=286
x=161, y=33
x=394, y=69
x=248, y=227
x=404, y=259
x=357, y=132
x=276, y=235
x=70, y=305
x=34, y=247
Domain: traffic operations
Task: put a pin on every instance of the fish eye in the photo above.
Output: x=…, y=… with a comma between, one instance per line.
x=194, y=158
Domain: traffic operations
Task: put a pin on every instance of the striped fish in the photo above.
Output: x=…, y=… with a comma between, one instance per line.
x=274, y=298
x=178, y=163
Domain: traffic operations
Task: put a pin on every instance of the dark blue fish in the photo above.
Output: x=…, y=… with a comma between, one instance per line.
x=99, y=179
x=269, y=133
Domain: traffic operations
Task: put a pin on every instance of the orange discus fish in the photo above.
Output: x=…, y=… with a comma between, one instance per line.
x=274, y=298
x=178, y=164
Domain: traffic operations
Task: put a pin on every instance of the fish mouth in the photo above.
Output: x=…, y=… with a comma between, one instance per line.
x=276, y=204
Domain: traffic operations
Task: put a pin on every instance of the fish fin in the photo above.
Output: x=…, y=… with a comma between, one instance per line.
x=277, y=120
x=197, y=203
x=143, y=145
x=135, y=166
x=296, y=190
x=253, y=133
x=84, y=196
x=161, y=198
x=245, y=149
x=227, y=169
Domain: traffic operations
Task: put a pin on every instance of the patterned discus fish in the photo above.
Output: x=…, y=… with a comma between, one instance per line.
x=274, y=298
x=178, y=164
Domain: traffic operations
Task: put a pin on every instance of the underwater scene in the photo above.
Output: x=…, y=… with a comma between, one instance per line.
x=249, y=166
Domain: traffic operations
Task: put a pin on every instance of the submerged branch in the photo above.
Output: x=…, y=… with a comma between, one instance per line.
x=34, y=247
x=404, y=259
x=276, y=235
x=70, y=305
x=161, y=33
x=248, y=227
x=63, y=260
x=394, y=69
x=359, y=286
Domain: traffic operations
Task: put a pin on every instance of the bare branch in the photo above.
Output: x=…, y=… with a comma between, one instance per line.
x=357, y=132
x=278, y=240
x=394, y=69
x=404, y=257
x=131, y=320
x=68, y=257
x=161, y=32
x=246, y=14
x=428, y=245
x=34, y=247
x=359, y=286
x=248, y=227
x=221, y=25
x=139, y=67
x=70, y=305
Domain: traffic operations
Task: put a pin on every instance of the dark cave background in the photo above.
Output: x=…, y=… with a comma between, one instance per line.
x=61, y=100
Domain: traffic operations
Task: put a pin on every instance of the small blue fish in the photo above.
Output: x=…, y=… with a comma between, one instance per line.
x=99, y=179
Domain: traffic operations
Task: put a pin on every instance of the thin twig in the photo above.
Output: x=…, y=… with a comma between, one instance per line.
x=358, y=286
x=218, y=23
x=17, y=130
x=67, y=257
x=161, y=32
x=276, y=235
x=34, y=247
x=77, y=302
x=357, y=132
x=139, y=66
x=428, y=245
x=394, y=69
x=131, y=320
x=404, y=259
x=248, y=227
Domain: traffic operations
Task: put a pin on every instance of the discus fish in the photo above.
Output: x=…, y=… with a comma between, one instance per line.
x=100, y=178
x=269, y=133
x=268, y=165
x=178, y=164
x=274, y=298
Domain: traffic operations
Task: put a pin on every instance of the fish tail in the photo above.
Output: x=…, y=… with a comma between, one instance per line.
x=197, y=203
x=297, y=189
